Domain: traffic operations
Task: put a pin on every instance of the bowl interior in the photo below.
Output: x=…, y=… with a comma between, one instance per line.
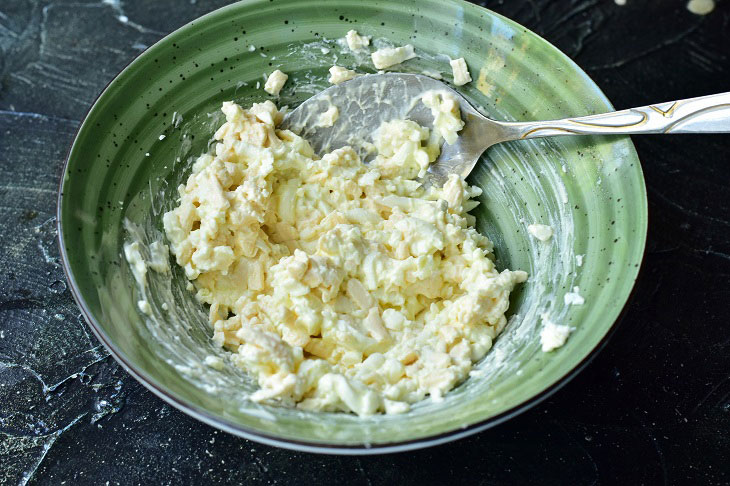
x=589, y=189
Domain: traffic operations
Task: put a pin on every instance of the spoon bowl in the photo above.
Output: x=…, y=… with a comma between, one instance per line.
x=371, y=99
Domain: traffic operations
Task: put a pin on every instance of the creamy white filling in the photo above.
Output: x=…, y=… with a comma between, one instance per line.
x=275, y=82
x=339, y=74
x=390, y=56
x=339, y=286
x=460, y=71
x=701, y=7
x=553, y=336
x=356, y=41
x=328, y=117
x=542, y=232
x=574, y=297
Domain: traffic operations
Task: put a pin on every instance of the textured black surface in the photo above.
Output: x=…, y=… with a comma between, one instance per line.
x=652, y=408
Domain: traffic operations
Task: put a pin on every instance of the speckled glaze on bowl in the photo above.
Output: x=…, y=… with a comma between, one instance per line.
x=590, y=189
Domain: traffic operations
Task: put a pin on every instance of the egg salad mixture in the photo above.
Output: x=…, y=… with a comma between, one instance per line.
x=339, y=285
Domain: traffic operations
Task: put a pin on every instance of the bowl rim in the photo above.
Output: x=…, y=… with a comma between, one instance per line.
x=314, y=446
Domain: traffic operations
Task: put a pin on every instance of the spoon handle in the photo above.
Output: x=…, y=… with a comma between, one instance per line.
x=706, y=114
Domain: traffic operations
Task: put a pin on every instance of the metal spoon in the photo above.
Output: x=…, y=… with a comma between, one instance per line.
x=366, y=101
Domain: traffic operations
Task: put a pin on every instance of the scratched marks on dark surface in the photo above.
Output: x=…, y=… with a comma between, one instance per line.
x=653, y=407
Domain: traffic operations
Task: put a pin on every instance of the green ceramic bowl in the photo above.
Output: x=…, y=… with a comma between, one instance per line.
x=590, y=189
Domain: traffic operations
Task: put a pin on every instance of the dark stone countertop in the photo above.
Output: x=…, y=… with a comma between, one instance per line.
x=652, y=408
